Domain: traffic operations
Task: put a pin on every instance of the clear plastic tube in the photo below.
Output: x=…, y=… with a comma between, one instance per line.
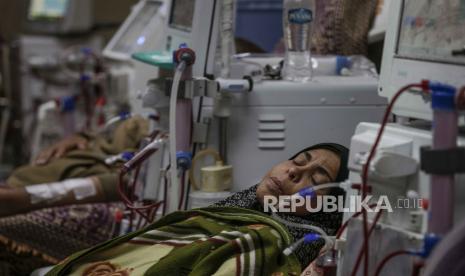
x=227, y=36
x=69, y=123
x=116, y=119
x=124, y=156
x=311, y=191
x=37, y=136
x=144, y=153
x=172, y=129
x=324, y=236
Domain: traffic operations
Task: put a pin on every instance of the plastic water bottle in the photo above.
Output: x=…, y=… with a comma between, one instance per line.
x=298, y=16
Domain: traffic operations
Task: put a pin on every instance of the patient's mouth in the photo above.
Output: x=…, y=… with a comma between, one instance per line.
x=274, y=185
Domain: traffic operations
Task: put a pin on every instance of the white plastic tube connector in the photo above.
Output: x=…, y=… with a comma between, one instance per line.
x=172, y=129
x=308, y=238
x=233, y=85
x=291, y=248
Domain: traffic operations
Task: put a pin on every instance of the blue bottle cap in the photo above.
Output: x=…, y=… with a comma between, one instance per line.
x=341, y=63
x=184, y=159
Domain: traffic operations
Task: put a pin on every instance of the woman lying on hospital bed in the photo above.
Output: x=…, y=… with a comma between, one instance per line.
x=234, y=236
x=66, y=200
x=73, y=171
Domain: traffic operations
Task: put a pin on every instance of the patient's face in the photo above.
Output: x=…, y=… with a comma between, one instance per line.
x=309, y=168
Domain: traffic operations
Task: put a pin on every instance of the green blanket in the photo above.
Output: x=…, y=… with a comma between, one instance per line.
x=207, y=241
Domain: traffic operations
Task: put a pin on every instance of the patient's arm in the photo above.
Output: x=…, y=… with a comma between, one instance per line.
x=61, y=148
x=17, y=200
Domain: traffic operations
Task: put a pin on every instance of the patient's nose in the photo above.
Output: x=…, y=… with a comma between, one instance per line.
x=293, y=173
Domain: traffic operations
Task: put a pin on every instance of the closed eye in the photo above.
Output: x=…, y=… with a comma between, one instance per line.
x=300, y=160
x=320, y=178
x=325, y=173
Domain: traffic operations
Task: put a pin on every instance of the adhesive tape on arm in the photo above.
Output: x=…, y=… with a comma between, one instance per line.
x=45, y=192
x=81, y=187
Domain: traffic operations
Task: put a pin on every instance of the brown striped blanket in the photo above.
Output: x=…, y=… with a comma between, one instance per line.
x=207, y=241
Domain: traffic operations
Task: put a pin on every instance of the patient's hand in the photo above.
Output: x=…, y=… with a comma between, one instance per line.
x=61, y=148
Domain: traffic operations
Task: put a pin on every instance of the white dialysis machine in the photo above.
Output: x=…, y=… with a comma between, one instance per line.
x=143, y=30
x=160, y=27
x=416, y=163
x=56, y=51
x=278, y=118
x=238, y=110
x=59, y=17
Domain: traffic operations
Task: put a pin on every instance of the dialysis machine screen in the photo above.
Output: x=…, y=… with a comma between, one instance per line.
x=433, y=30
x=425, y=40
x=47, y=9
x=134, y=37
x=182, y=14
